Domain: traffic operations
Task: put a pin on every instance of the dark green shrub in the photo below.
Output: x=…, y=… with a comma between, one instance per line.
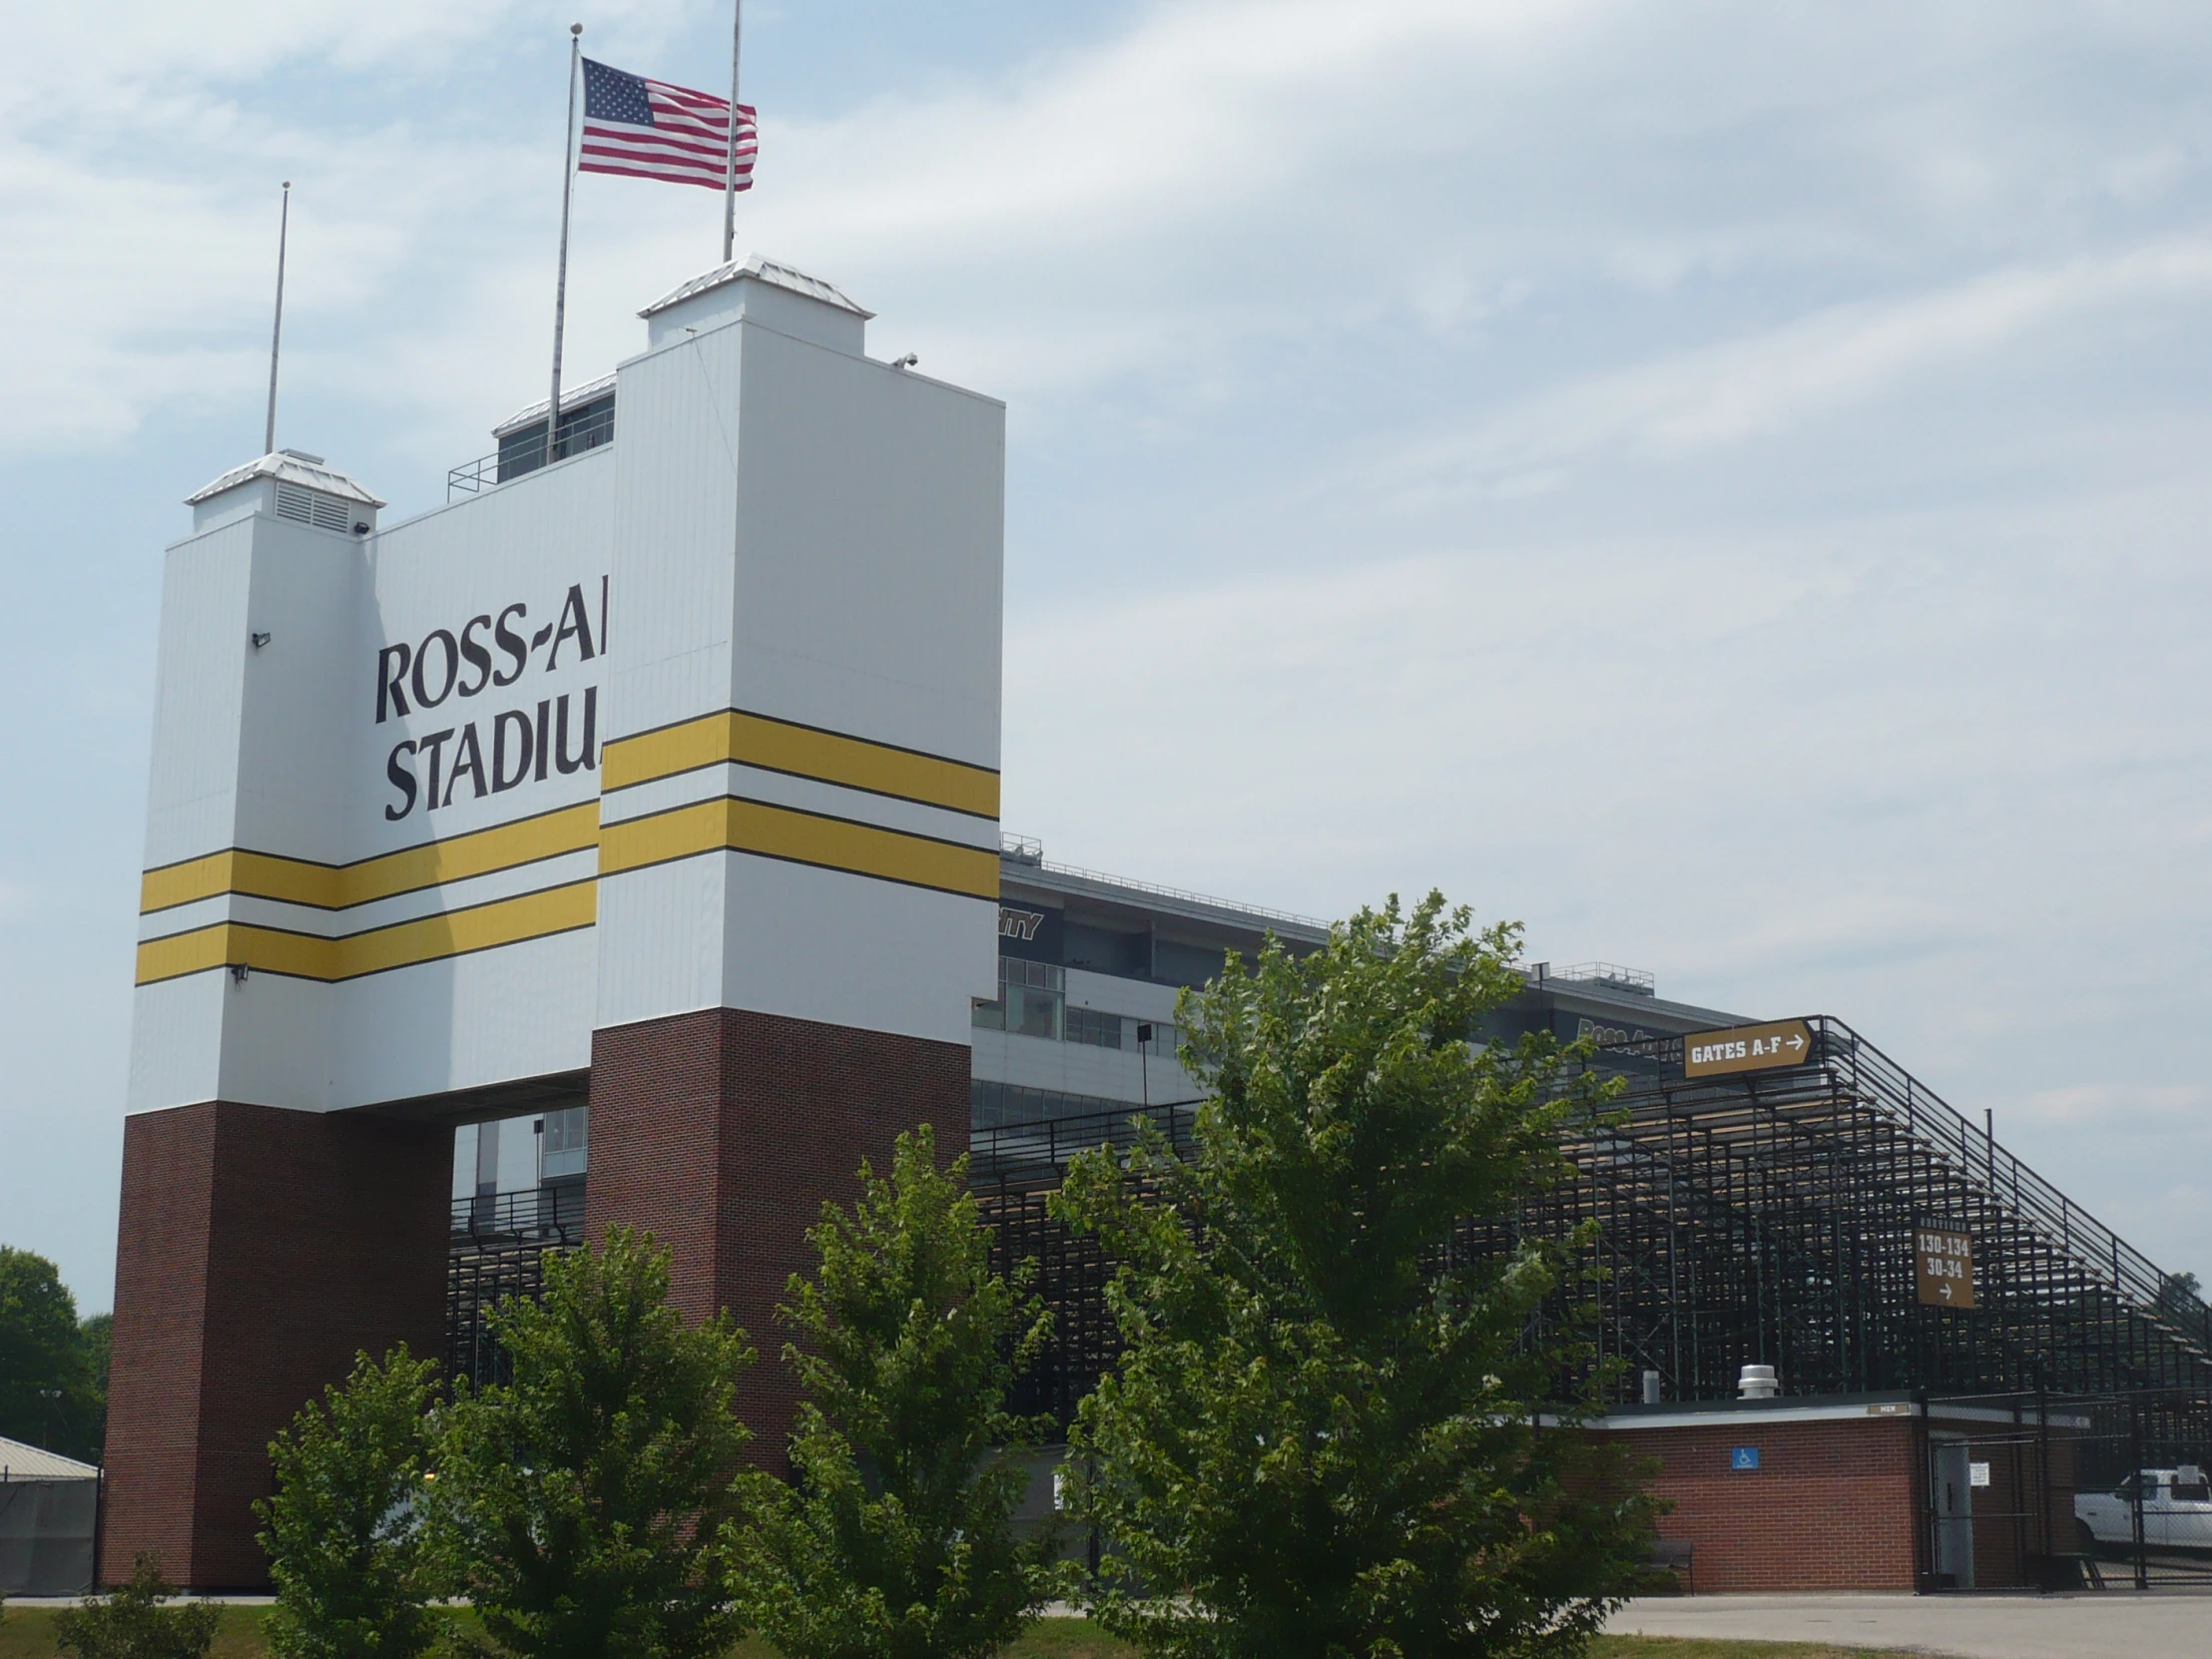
x=137, y=1620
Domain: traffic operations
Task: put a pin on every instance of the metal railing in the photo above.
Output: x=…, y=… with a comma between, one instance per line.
x=513, y=460
x=540, y=1215
x=1974, y=1155
x=1016, y=1153
x=1611, y=975
x=1975, y=1151
x=1027, y=850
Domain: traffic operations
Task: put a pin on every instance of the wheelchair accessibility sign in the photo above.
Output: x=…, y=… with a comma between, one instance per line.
x=1742, y=1458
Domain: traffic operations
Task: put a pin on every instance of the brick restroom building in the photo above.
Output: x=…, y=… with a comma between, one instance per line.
x=1859, y=1492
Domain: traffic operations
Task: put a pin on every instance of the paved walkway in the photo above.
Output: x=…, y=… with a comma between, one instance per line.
x=2117, y=1624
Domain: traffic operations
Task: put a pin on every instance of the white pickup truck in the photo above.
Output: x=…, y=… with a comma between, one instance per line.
x=2177, y=1511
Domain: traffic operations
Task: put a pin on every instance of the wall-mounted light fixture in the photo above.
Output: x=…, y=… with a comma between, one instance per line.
x=259, y=639
x=239, y=971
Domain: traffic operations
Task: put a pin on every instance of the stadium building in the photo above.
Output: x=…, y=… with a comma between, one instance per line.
x=619, y=842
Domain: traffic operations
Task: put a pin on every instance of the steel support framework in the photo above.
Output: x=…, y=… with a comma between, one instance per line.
x=496, y=1252
x=1765, y=1217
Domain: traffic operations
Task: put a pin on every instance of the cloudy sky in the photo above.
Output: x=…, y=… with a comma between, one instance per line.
x=1720, y=483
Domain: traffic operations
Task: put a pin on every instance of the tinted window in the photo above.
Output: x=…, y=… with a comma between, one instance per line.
x=1088, y=1025
x=1104, y=952
x=1184, y=964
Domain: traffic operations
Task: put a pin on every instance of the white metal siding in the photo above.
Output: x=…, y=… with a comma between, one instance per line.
x=869, y=558
x=839, y=566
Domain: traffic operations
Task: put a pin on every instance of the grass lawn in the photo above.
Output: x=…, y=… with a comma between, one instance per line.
x=28, y=1633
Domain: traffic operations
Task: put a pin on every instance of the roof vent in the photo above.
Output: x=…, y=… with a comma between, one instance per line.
x=307, y=506
x=1757, y=1383
x=291, y=485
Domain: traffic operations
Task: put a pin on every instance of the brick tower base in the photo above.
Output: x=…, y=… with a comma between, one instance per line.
x=259, y=1251
x=723, y=1131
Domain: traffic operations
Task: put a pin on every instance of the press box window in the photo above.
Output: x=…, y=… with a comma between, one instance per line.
x=1031, y=996
x=1088, y=1025
x=564, y=1149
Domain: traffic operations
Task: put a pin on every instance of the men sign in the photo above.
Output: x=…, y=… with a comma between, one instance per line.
x=1783, y=1042
x=1942, y=1267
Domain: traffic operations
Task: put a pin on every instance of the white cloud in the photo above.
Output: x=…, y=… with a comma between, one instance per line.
x=1721, y=482
x=1781, y=379
x=2103, y=1102
x=1215, y=178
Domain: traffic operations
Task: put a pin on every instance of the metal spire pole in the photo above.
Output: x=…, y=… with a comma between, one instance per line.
x=730, y=164
x=568, y=194
x=276, y=332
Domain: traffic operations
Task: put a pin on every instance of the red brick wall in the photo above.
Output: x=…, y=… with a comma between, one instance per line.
x=1832, y=1505
x=722, y=1132
x=258, y=1249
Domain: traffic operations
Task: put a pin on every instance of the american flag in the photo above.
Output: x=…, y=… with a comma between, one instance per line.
x=645, y=129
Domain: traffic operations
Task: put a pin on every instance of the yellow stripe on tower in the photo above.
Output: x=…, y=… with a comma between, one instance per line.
x=478, y=927
x=336, y=887
x=800, y=838
x=374, y=950
x=729, y=735
x=181, y=953
x=805, y=752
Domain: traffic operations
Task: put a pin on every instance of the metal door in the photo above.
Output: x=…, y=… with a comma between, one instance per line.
x=1949, y=1481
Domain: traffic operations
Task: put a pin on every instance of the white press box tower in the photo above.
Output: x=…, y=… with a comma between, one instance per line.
x=663, y=776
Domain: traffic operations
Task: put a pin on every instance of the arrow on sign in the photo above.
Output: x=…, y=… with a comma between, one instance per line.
x=1942, y=1268
x=1795, y=1042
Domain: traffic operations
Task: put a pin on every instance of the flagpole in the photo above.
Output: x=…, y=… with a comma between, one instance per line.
x=277, y=330
x=730, y=164
x=568, y=194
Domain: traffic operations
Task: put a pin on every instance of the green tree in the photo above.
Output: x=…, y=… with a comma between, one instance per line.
x=1331, y=1435
x=581, y=1504
x=899, y=1540
x=137, y=1620
x=94, y=1340
x=47, y=1391
x=344, y=1533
